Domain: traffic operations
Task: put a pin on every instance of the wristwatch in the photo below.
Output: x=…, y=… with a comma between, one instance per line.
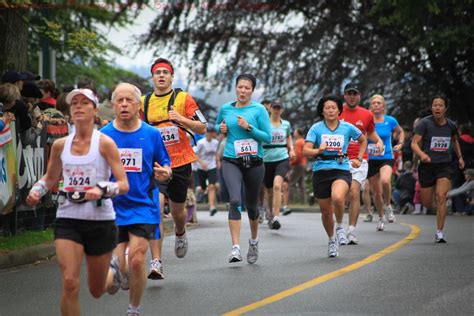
x=360, y=159
x=249, y=128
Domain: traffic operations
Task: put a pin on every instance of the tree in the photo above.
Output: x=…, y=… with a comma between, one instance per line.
x=81, y=50
x=300, y=50
x=14, y=35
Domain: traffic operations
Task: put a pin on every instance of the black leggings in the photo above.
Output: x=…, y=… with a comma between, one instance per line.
x=252, y=179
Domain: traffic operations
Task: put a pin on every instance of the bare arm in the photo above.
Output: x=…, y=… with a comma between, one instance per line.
x=309, y=151
x=362, y=147
x=291, y=149
x=415, y=146
x=401, y=138
x=457, y=150
x=375, y=138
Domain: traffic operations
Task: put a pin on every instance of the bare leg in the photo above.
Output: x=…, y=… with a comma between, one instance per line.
x=136, y=261
x=99, y=274
x=234, y=226
x=276, y=199
x=377, y=189
x=354, y=207
x=212, y=196
x=69, y=255
x=156, y=245
x=179, y=216
x=443, y=185
x=386, y=183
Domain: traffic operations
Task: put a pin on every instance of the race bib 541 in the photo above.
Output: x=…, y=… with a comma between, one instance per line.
x=244, y=147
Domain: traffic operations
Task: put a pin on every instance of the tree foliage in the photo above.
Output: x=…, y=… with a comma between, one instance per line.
x=72, y=31
x=300, y=50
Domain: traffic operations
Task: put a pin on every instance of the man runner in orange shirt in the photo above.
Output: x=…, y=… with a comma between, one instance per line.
x=175, y=113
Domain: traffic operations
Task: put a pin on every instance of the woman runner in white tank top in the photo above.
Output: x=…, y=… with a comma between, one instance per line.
x=85, y=221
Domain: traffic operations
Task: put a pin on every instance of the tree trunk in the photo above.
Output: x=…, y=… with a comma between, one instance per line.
x=13, y=39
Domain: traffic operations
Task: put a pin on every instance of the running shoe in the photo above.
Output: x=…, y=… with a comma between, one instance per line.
x=135, y=313
x=213, y=212
x=368, y=218
x=380, y=225
x=124, y=283
x=156, y=270
x=332, y=249
x=352, y=239
x=439, y=238
x=117, y=277
x=181, y=246
x=252, y=255
x=389, y=213
x=275, y=223
x=235, y=255
x=286, y=211
x=341, y=236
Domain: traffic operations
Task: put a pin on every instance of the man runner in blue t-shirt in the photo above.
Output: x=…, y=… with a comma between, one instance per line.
x=143, y=156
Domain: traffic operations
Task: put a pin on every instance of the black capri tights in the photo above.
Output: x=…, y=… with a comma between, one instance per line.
x=252, y=179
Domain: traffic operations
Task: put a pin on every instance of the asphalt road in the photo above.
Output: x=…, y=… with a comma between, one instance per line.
x=413, y=277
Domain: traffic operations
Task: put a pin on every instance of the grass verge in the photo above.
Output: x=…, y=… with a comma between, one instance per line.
x=26, y=239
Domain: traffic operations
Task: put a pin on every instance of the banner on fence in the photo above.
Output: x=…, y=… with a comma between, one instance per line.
x=8, y=169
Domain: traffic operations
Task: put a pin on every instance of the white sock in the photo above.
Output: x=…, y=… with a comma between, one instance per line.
x=133, y=309
x=276, y=218
x=236, y=246
x=332, y=239
x=351, y=228
x=339, y=226
x=253, y=241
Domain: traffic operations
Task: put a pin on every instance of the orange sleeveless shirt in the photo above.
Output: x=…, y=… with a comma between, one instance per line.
x=175, y=139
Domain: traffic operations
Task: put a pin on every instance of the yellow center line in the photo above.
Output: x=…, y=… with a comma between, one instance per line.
x=415, y=231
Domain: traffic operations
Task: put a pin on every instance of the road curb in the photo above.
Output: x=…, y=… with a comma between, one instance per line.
x=46, y=251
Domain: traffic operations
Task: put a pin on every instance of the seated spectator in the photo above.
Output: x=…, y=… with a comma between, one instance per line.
x=463, y=197
x=48, y=88
x=405, y=188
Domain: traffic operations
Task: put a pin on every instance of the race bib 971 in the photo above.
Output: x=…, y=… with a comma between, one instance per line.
x=131, y=159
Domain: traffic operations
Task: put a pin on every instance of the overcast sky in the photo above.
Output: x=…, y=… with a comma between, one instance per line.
x=125, y=37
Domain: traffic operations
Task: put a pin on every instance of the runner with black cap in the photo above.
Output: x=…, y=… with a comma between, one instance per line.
x=277, y=155
x=363, y=119
x=85, y=219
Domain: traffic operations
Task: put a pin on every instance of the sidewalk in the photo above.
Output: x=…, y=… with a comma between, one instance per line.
x=46, y=251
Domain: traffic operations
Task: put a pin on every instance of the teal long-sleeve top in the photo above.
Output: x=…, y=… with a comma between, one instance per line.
x=239, y=141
